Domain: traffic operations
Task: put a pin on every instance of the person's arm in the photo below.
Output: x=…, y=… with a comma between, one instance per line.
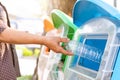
x=13, y=36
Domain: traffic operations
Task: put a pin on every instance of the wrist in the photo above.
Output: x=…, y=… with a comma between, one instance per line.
x=42, y=40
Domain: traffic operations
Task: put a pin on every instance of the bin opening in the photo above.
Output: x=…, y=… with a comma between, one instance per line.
x=88, y=53
x=92, y=53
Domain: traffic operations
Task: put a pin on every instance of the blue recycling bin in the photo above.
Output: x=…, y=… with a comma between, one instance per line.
x=85, y=10
x=95, y=49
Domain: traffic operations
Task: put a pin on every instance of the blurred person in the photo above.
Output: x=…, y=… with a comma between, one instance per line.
x=9, y=67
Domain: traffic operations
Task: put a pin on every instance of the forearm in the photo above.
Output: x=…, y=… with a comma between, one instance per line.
x=20, y=37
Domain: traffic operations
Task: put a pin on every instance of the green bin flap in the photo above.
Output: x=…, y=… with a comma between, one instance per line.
x=59, y=18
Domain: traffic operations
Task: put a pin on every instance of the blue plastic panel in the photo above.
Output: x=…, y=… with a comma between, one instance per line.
x=93, y=63
x=90, y=60
x=85, y=10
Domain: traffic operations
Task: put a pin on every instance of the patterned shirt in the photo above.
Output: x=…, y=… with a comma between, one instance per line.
x=7, y=69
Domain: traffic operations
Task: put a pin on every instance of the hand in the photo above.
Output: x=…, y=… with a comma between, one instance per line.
x=54, y=44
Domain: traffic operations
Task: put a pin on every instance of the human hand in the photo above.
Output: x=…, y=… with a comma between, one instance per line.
x=54, y=44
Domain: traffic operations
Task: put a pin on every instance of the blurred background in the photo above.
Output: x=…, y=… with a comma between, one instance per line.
x=28, y=15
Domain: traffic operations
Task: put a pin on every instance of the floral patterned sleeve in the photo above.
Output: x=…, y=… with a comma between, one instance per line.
x=3, y=19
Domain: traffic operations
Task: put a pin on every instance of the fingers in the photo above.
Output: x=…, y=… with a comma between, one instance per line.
x=64, y=40
x=63, y=51
x=67, y=53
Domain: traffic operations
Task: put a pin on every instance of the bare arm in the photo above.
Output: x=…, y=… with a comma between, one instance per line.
x=13, y=36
